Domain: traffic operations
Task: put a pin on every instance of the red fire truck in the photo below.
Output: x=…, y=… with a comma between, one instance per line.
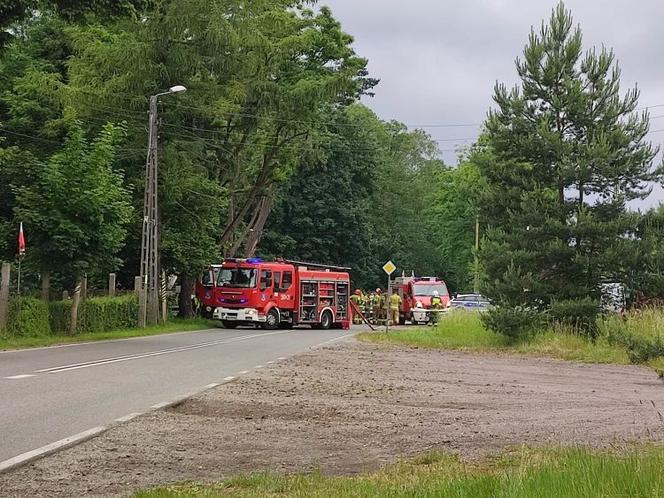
x=281, y=293
x=414, y=290
x=205, y=286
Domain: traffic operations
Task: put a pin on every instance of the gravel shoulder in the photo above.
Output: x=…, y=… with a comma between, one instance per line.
x=353, y=407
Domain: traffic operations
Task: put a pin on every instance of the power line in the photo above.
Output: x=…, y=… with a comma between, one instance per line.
x=218, y=113
x=2, y=130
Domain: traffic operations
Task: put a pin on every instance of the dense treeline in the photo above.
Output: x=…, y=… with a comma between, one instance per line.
x=270, y=152
x=269, y=139
x=373, y=192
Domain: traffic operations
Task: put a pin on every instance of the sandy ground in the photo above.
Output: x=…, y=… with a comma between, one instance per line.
x=353, y=407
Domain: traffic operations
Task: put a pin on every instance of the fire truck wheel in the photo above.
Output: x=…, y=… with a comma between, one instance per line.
x=326, y=320
x=271, y=320
x=229, y=325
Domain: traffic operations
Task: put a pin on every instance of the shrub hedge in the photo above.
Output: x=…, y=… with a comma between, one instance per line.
x=640, y=333
x=28, y=317
x=99, y=314
x=579, y=315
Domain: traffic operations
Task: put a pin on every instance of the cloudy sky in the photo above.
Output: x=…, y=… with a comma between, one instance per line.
x=438, y=60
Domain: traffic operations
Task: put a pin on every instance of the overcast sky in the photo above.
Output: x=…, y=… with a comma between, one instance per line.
x=438, y=60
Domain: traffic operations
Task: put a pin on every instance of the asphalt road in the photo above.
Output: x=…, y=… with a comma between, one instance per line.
x=49, y=394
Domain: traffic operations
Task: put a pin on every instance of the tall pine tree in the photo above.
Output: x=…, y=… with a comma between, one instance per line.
x=567, y=153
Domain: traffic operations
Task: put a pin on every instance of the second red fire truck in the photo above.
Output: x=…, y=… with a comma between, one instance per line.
x=276, y=294
x=416, y=294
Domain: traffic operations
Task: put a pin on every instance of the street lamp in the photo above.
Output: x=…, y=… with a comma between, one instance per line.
x=149, y=312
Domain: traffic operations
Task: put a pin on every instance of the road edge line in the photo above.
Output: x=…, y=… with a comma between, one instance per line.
x=71, y=441
x=49, y=449
x=102, y=341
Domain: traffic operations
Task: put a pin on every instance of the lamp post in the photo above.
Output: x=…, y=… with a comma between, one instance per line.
x=150, y=256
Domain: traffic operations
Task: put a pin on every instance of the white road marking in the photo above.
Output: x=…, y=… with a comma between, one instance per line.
x=49, y=448
x=137, y=356
x=258, y=366
x=127, y=418
x=244, y=372
x=74, y=344
x=161, y=405
x=281, y=358
x=16, y=377
x=270, y=362
x=228, y=379
x=211, y=386
x=336, y=339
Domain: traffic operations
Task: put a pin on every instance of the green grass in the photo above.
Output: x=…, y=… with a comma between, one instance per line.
x=458, y=330
x=174, y=325
x=568, y=346
x=646, y=323
x=463, y=331
x=570, y=473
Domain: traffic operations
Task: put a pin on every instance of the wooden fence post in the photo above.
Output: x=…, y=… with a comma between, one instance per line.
x=162, y=298
x=74, y=306
x=84, y=287
x=4, y=295
x=46, y=286
x=111, y=285
x=142, y=295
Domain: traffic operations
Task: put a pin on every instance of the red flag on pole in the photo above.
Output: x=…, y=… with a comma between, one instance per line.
x=21, y=241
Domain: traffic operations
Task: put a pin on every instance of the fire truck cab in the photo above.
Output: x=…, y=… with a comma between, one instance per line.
x=205, y=290
x=416, y=294
x=281, y=293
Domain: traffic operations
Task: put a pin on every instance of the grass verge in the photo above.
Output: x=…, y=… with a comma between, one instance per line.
x=572, y=473
x=463, y=331
x=174, y=325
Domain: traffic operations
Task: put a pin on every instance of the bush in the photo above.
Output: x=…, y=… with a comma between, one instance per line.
x=59, y=316
x=101, y=314
x=28, y=317
x=579, y=315
x=514, y=323
x=640, y=332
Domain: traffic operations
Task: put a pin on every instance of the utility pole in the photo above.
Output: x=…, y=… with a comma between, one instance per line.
x=150, y=255
x=150, y=236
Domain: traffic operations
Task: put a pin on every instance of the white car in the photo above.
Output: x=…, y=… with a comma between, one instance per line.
x=471, y=302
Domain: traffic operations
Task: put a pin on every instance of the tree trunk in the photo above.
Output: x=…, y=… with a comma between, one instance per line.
x=262, y=183
x=257, y=230
x=46, y=286
x=185, y=309
x=74, y=307
x=240, y=238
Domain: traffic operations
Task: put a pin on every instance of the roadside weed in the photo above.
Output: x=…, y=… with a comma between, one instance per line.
x=522, y=473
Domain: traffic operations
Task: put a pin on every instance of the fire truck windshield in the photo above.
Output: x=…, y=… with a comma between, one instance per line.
x=426, y=289
x=237, y=277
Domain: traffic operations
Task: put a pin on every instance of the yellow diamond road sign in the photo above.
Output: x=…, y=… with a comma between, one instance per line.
x=389, y=268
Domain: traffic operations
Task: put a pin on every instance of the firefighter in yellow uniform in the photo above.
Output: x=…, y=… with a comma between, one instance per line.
x=371, y=300
x=436, y=306
x=364, y=301
x=355, y=298
x=378, y=304
x=395, y=305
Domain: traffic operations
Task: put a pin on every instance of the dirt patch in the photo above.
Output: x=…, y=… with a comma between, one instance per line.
x=353, y=407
